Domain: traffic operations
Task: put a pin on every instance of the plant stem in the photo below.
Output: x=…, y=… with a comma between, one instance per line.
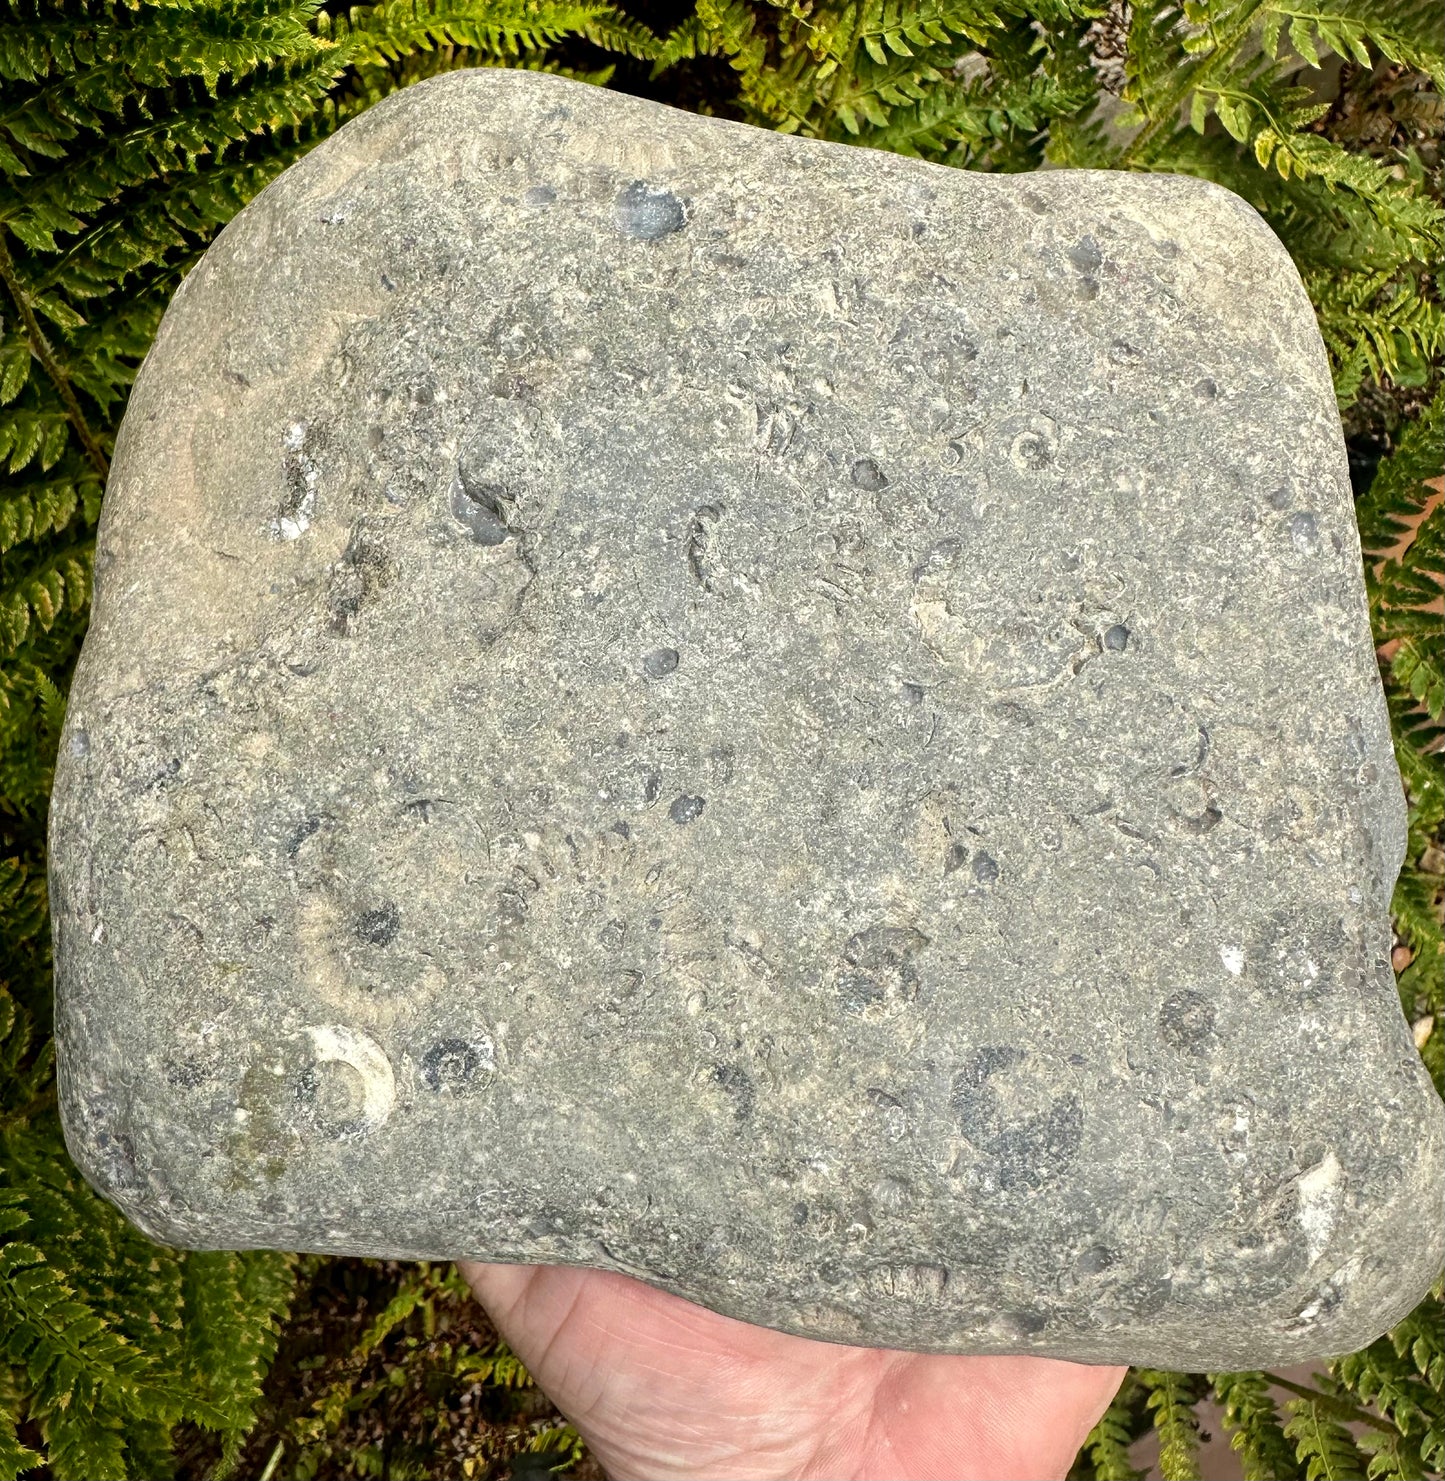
x=1343, y=1407
x=273, y=1462
x=40, y=348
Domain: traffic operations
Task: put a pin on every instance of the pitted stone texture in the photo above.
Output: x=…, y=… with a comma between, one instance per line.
x=784, y=720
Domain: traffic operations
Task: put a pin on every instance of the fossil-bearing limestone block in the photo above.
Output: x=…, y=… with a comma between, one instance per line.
x=785, y=720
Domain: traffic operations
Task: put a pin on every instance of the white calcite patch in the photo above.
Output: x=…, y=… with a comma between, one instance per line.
x=1320, y=1190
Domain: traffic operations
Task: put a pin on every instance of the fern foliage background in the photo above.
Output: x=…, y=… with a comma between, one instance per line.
x=132, y=130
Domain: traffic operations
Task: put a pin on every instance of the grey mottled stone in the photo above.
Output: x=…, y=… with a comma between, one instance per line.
x=785, y=720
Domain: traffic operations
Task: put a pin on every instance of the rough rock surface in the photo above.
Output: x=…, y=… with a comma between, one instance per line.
x=785, y=720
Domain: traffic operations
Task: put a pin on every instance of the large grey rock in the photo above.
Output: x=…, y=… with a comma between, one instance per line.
x=785, y=720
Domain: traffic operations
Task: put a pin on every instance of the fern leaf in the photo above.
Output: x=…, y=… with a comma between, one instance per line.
x=498, y=1365
x=1171, y=1397
x=64, y=579
x=1392, y=1458
x=1405, y=33
x=1401, y=483
x=15, y=1458
x=1257, y=1434
x=234, y=1304
x=1419, y=670
x=392, y=29
x=66, y=1349
x=1324, y=1445
x=560, y=1442
x=1107, y=1445
x=37, y=507
x=83, y=1444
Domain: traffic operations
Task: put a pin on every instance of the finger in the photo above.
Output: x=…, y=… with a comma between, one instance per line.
x=497, y=1287
x=959, y=1416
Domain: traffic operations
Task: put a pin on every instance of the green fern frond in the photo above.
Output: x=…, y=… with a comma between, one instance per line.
x=393, y=29
x=1416, y=908
x=885, y=73
x=1362, y=31
x=972, y=113
x=1385, y=1378
x=561, y=1442
x=15, y=1458
x=1323, y=1444
x=44, y=506
x=68, y=1351
x=778, y=97
x=1107, y=1445
x=1419, y=669
x=52, y=703
x=1171, y=1400
x=36, y=600
x=1400, y=488
x=23, y=907
x=46, y=201
x=499, y=1365
x=689, y=39
x=1420, y=1337
x=1257, y=1434
x=233, y=1307
x=97, y=56
x=413, y=1292
x=84, y=1442
x=33, y=435
x=1392, y=1458
x=1220, y=38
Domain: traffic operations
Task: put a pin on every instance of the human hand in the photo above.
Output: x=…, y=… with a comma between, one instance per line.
x=661, y=1388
